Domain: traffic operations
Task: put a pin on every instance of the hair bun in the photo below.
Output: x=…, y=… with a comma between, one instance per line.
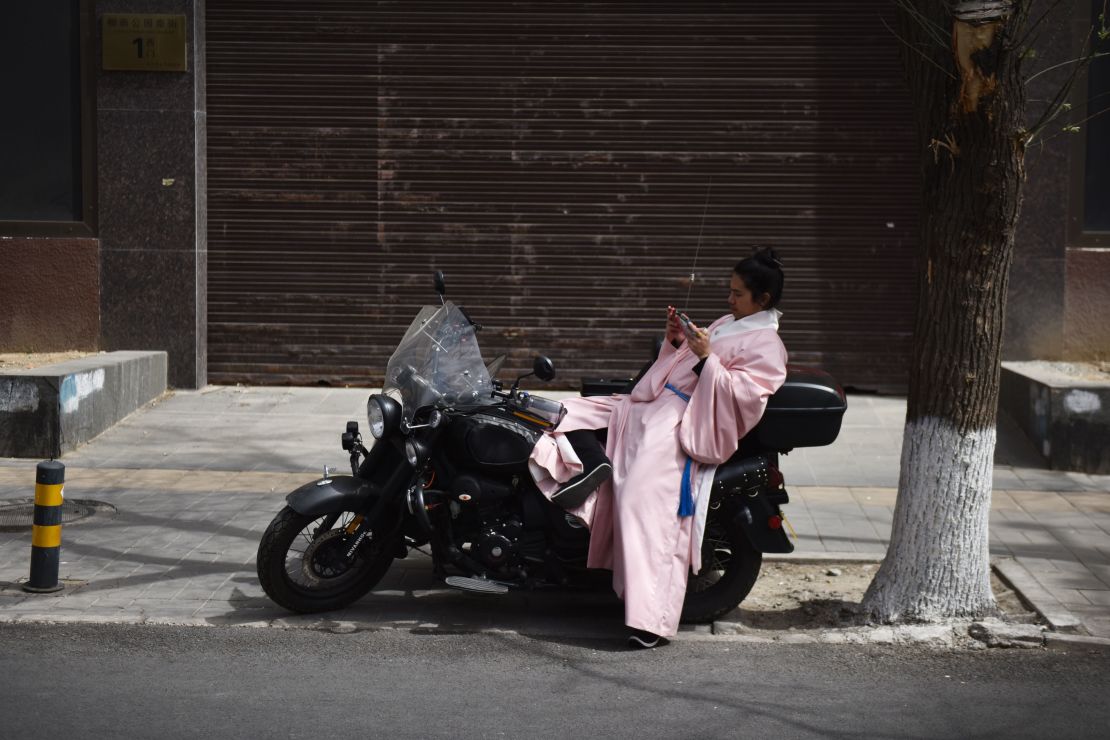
x=767, y=256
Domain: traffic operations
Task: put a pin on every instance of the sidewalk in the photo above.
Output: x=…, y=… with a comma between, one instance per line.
x=195, y=479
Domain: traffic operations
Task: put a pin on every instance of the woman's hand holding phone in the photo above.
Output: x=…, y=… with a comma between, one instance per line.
x=675, y=331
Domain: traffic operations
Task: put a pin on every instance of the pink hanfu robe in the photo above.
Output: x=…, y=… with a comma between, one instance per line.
x=635, y=529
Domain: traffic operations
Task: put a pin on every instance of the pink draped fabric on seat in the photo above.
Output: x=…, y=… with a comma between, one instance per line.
x=634, y=525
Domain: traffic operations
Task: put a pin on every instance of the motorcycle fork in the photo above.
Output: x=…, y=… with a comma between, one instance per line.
x=359, y=528
x=329, y=521
x=326, y=525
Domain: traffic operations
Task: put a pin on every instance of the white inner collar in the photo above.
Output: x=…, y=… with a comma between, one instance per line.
x=768, y=319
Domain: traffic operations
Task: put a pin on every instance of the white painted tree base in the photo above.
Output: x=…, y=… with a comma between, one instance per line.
x=938, y=564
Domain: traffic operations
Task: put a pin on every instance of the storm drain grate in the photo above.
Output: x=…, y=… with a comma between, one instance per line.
x=19, y=514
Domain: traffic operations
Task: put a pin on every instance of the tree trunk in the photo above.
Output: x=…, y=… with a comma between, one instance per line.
x=969, y=108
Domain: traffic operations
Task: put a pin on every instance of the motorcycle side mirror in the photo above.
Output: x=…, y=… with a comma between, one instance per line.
x=440, y=283
x=543, y=368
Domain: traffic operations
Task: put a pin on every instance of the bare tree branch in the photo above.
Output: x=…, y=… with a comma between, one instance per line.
x=1078, y=60
x=1055, y=107
x=937, y=33
x=917, y=51
x=1086, y=102
x=1073, y=128
x=1037, y=23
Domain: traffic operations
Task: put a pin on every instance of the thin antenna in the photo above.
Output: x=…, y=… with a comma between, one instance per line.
x=697, y=251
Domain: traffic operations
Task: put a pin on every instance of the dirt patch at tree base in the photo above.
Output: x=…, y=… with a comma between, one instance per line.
x=812, y=596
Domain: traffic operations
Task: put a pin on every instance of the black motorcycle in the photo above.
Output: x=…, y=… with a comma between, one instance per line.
x=448, y=469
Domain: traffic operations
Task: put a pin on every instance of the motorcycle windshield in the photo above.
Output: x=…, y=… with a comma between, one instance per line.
x=437, y=360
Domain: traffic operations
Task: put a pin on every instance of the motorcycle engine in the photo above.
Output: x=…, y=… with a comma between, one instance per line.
x=497, y=545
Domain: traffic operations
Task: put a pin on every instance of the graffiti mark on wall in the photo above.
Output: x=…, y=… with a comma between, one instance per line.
x=79, y=386
x=1082, y=402
x=17, y=396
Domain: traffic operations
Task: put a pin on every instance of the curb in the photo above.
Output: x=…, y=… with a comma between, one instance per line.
x=1066, y=629
x=951, y=636
x=1036, y=596
x=1064, y=640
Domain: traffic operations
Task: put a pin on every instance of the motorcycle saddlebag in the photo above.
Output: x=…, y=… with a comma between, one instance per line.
x=805, y=412
x=741, y=475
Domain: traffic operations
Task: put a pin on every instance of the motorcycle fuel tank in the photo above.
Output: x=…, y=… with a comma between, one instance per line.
x=492, y=442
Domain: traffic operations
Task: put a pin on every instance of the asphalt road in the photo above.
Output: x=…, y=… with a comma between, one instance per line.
x=160, y=682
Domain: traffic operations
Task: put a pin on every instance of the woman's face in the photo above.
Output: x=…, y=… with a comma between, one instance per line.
x=740, y=300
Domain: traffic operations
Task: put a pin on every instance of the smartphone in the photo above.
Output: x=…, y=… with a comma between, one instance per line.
x=686, y=323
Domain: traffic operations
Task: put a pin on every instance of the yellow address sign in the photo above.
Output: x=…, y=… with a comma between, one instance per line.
x=144, y=42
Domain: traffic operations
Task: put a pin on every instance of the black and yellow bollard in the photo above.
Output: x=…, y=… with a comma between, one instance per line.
x=46, y=537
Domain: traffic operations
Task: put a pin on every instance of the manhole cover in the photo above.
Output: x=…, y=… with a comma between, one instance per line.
x=17, y=514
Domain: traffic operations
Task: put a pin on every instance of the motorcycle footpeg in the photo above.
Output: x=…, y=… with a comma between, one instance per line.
x=476, y=585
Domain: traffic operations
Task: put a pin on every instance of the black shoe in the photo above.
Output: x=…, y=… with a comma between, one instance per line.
x=644, y=640
x=576, y=490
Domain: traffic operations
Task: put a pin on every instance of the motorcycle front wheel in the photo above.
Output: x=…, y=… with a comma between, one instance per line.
x=302, y=563
x=729, y=569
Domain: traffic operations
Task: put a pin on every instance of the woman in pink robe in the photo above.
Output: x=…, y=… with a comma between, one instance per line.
x=685, y=416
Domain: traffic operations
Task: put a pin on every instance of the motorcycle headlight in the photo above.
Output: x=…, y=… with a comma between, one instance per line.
x=383, y=414
x=414, y=452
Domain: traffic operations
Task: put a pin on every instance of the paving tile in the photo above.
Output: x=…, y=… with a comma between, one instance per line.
x=1095, y=618
x=1043, y=502
x=880, y=516
x=1000, y=549
x=1102, y=572
x=801, y=522
x=825, y=493
x=1001, y=500
x=1011, y=536
x=808, y=543
x=1037, y=564
x=1098, y=597
x=113, y=601
x=798, y=473
x=1041, y=536
x=1039, y=480
x=1004, y=477
x=1043, y=552
x=1069, y=597
x=1102, y=525
x=1069, y=580
x=874, y=496
x=1067, y=565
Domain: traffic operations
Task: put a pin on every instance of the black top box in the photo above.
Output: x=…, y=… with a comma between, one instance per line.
x=805, y=412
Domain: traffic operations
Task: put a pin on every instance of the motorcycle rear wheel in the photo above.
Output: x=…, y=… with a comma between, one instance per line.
x=730, y=567
x=302, y=564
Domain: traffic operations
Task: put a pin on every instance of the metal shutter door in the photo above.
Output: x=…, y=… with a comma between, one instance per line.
x=554, y=160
